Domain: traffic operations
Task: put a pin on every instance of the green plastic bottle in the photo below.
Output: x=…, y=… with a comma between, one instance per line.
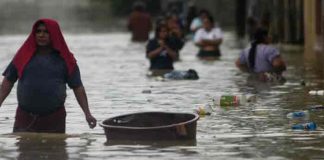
x=229, y=100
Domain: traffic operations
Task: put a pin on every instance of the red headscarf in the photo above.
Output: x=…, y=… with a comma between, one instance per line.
x=28, y=49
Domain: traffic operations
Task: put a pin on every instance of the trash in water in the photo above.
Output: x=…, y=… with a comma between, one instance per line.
x=182, y=75
x=298, y=114
x=316, y=92
x=316, y=108
x=204, y=109
x=147, y=91
x=233, y=100
x=311, y=126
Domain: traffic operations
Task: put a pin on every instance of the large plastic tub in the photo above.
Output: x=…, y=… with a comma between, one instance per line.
x=151, y=126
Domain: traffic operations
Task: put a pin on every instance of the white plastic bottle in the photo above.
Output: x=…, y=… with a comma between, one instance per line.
x=317, y=92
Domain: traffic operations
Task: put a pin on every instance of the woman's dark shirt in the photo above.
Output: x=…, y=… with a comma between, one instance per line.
x=42, y=87
x=163, y=60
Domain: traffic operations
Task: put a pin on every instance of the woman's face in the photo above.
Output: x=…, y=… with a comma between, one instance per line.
x=207, y=24
x=163, y=33
x=42, y=36
x=268, y=39
x=172, y=22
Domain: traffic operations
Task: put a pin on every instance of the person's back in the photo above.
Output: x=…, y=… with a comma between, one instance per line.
x=265, y=54
x=140, y=25
x=261, y=58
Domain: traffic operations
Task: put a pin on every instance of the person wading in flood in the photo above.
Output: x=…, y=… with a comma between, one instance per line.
x=139, y=23
x=261, y=58
x=161, y=52
x=208, y=39
x=43, y=66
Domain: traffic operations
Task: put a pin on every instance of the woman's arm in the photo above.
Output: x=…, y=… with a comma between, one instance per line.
x=82, y=99
x=215, y=42
x=242, y=67
x=171, y=53
x=154, y=53
x=5, y=89
x=278, y=65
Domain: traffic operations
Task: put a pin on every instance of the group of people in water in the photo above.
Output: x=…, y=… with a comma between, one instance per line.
x=260, y=58
x=44, y=65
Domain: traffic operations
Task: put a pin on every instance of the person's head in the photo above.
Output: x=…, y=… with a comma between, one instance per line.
x=208, y=22
x=139, y=6
x=160, y=21
x=42, y=35
x=203, y=13
x=161, y=32
x=172, y=21
x=261, y=36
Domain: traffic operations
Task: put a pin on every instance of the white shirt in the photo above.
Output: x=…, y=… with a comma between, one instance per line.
x=196, y=24
x=214, y=34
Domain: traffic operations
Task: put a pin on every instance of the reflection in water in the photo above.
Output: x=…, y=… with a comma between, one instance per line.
x=41, y=146
x=153, y=143
x=157, y=73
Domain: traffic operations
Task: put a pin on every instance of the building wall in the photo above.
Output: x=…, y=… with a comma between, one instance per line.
x=310, y=23
x=283, y=18
x=314, y=23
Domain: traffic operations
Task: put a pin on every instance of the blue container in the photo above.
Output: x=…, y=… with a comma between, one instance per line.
x=311, y=126
x=299, y=114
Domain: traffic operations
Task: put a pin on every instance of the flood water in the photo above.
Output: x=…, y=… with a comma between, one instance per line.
x=114, y=74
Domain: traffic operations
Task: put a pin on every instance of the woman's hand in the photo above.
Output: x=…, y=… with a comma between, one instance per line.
x=92, y=122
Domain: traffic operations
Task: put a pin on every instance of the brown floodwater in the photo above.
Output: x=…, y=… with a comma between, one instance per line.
x=114, y=73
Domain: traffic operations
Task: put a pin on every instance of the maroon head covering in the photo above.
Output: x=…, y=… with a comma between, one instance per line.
x=28, y=49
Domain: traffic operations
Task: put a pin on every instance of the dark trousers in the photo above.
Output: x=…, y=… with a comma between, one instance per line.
x=28, y=122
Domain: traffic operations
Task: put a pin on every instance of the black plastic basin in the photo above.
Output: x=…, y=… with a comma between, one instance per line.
x=151, y=126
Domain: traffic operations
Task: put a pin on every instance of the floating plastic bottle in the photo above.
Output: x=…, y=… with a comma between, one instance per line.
x=316, y=108
x=229, y=100
x=298, y=114
x=318, y=92
x=233, y=100
x=311, y=126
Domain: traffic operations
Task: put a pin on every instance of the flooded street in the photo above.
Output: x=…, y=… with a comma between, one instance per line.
x=114, y=73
